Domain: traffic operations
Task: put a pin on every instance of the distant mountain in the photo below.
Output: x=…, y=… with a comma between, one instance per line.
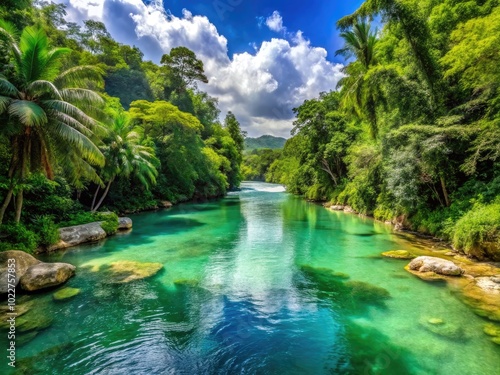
x=265, y=141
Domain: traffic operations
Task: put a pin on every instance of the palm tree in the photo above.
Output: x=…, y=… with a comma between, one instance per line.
x=125, y=156
x=46, y=114
x=360, y=92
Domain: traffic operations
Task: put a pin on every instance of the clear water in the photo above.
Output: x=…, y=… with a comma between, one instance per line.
x=238, y=296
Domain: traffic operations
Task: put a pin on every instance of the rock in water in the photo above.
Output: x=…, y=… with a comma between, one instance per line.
x=23, y=261
x=398, y=254
x=436, y=265
x=65, y=293
x=75, y=235
x=126, y=271
x=45, y=275
x=124, y=223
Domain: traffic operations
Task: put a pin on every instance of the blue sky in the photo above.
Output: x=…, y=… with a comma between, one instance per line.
x=239, y=23
x=262, y=58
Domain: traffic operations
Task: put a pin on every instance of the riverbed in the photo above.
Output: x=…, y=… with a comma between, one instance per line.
x=260, y=282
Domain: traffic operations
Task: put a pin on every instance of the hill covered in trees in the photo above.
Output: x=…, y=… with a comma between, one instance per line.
x=264, y=141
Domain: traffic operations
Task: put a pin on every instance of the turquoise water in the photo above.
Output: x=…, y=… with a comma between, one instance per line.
x=248, y=287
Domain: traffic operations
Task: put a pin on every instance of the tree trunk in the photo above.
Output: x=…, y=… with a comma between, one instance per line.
x=103, y=196
x=19, y=205
x=445, y=192
x=6, y=203
x=95, y=197
x=327, y=169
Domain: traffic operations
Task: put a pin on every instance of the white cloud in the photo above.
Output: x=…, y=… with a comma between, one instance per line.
x=275, y=22
x=259, y=88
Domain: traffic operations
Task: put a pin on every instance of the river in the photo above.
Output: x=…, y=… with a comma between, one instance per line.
x=260, y=282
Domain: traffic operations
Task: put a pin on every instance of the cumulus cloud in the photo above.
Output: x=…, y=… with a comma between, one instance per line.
x=275, y=22
x=259, y=88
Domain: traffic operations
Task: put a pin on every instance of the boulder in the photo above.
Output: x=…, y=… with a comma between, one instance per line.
x=124, y=223
x=65, y=293
x=23, y=261
x=350, y=210
x=78, y=234
x=398, y=254
x=166, y=204
x=46, y=275
x=436, y=265
x=126, y=271
x=337, y=207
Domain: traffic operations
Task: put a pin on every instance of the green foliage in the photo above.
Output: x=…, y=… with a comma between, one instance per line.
x=263, y=142
x=17, y=237
x=480, y=224
x=257, y=163
x=46, y=229
x=109, y=222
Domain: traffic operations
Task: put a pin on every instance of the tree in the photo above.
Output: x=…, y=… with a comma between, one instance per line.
x=185, y=67
x=406, y=15
x=47, y=114
x=126, y=156
x=182, y=70
x=360, y=91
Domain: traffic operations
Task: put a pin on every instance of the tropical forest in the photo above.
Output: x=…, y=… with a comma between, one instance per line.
x=207, y=191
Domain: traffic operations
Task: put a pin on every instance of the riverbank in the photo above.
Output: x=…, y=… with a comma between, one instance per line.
x=483, y=251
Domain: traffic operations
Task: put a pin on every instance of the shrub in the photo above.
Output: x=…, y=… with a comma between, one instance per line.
x=109, y=222
x=480, y=224
x=46, y=229
x=17, y=237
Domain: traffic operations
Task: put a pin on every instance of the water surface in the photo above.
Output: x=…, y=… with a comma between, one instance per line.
x=248, y=287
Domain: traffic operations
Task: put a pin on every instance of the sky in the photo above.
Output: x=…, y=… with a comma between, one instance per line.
x=262, y=58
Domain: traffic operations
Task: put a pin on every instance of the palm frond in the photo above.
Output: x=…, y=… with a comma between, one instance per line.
x=33, y=45
x=9, y=33
x=81, y=143
x=78, y=76
x=29, y=113
x=7, y=88
x=38, y=87
x=53, y=62
x=4, y=103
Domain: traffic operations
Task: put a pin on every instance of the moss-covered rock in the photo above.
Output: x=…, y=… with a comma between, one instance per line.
x=398, y=254
x=65, y=293
x=435, y=321
x=33, y=322
x=492, y=329
x=368, y=293
x=125, y=271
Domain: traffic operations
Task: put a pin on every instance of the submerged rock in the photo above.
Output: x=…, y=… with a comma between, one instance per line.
x=483, y=301
x=367, y=293
x=23, y=261
x=65, y=293
x=492, y=330
x=398, y=254
x=126, y=271
x=46, y=275
x=436, y=265
x=444, y=329
x=33, y=322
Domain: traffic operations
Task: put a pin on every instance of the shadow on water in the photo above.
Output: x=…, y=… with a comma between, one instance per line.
x=368, y=350
x=175, y=225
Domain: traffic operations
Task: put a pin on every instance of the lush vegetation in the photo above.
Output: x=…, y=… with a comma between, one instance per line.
x=89, y=126
x=413, y=132
x=264, y=141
